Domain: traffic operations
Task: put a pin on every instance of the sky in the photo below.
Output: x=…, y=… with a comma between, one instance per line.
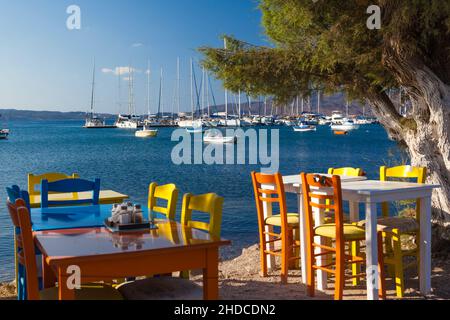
x=46, y=66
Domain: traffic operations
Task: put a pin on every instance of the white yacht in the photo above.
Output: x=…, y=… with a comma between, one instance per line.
x=4, y=133
x=93, y=121
x=147, y=132
x=128, y=122
x=216, y=136
x=347, y=125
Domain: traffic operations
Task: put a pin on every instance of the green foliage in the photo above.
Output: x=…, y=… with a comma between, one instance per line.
x=327, y=44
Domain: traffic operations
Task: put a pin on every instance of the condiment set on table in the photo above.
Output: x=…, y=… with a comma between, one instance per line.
x=128, y=217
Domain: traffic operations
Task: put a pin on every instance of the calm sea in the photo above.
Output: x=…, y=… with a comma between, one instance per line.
x=128, y=164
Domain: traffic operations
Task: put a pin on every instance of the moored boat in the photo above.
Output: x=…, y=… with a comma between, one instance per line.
x=302, y=127
x=215, y=136
x=147, y=132
x=4, y=133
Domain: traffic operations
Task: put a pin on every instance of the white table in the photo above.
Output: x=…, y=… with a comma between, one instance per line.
x=357, y=190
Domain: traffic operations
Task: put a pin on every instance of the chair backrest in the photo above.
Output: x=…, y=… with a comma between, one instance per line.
x=15, y=193
x=169, y=193
x=323, y=193
x=418, y=174
x=209, y=203
x=269, y=190
x=26, y=254
x=350, y=172
x=70, y=186
x=34, y=181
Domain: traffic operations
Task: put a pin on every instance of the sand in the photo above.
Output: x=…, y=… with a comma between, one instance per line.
x=240, y=280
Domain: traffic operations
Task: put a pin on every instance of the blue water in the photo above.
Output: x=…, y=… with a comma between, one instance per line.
x=128, y=164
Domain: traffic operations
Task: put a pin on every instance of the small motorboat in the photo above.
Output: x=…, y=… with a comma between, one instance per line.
x=345, y=126
x=4, y=133
x=303, y=127
x=147, y=132
x=215, y=136
x=195, y=130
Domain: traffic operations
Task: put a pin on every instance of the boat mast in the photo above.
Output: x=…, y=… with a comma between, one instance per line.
x=208, y=102
x=119, y=103
x=148, y=89
x=160, y=94
x=346, y=107
x=93, y=91
x=318, y=102
x=192, y=91
x=178, y=85
x=203, y=90
x=239, y=104
x=130, y=92
x=226, y=91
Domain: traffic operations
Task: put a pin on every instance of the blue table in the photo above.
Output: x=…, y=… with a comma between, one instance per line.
x=63, y=218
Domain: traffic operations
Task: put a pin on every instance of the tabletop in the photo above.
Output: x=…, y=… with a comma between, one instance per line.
x=64, y=245
x=106, y=197
x=296, y=180
x=72, y=217
x=370, y=187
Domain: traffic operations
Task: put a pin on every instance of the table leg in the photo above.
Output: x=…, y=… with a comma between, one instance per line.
x=354, y=211
x=64, y=292
x=211, y=275
x=303, y=242
x=48, y=276
x=322, y=276
x=425, y=246
x=371, y=251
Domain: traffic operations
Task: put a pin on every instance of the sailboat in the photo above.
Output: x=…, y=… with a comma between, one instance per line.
x=4, y=133
x=92, y=120
x=130, y=120
x=148, y=131
x=192, y=126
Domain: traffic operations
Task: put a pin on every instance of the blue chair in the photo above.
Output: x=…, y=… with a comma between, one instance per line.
x=70, y=186
x=15, y=193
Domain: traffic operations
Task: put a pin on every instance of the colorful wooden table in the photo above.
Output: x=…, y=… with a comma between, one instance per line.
x=106, y=197
x=102, y=255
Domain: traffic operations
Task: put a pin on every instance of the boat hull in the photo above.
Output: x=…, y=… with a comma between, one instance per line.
x=146, y=133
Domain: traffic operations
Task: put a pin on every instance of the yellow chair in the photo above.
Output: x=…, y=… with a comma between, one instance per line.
x=169, y=193
x=35, y=181
x=210, y=204
x=351, y=172
x=355, y=246
x=394, y=227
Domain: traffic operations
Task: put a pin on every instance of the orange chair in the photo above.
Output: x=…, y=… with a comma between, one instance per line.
x=339, y=232
x=27, y=257
x=286, y=221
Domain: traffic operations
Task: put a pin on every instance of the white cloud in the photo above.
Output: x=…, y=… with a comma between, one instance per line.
x=120, y=70
x=137, y=45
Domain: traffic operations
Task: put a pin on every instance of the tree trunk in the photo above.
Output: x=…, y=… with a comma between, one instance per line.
x=427, y=133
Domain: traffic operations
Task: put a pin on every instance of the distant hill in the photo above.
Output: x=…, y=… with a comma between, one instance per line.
x=13, y=114
x=328, y=104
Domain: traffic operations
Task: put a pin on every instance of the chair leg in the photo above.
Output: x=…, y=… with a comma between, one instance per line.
x=340, y=273
x=311, y=279
x=389, y=252
x=356, y=267
x=263, y=255
x=285, y=255
x=398, y=258
x=381, y=271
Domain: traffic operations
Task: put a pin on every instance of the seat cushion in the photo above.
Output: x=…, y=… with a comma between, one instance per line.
x=164, y=288
x=403, y=225
x=293, y=219
x=351, y=232
x=93, y=291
